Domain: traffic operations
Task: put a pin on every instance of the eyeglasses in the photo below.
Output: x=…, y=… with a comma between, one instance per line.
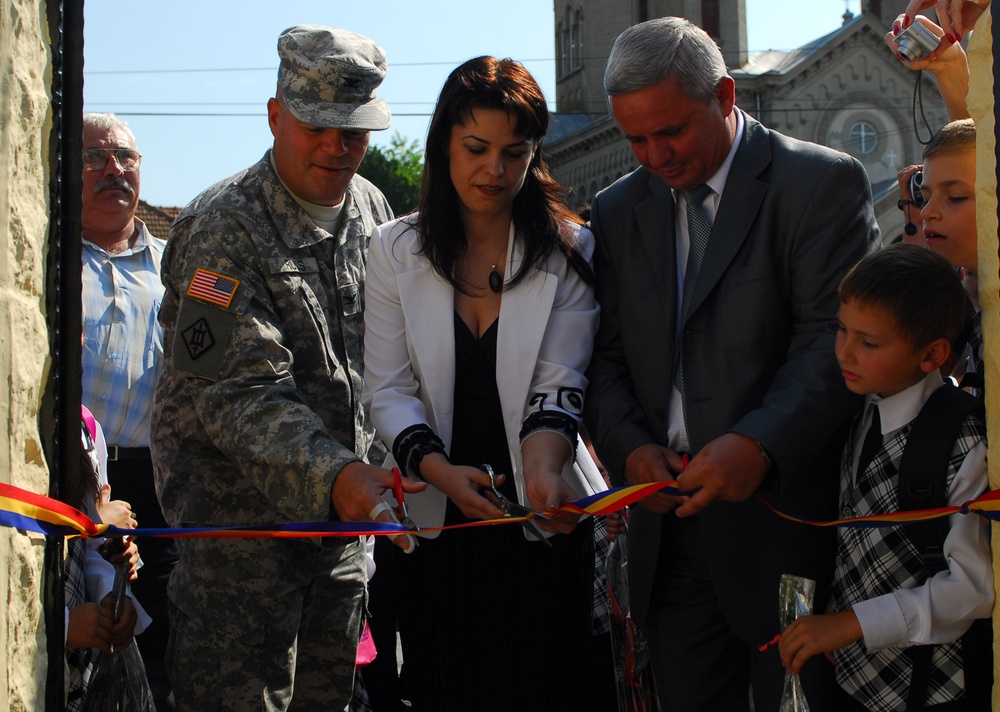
x=95, y=159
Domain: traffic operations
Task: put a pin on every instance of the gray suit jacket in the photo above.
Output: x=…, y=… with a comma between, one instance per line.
x=758, y=353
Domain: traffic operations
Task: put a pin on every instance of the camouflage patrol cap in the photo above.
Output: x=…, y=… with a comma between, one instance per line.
x=328, y=78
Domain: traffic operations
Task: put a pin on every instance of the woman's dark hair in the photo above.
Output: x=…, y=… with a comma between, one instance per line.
x=539, y=212
x=87, y=490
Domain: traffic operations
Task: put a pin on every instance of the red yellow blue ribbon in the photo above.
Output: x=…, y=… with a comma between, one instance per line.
x=28, y=511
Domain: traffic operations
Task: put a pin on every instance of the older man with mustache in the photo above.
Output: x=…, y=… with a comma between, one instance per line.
x=122, y=355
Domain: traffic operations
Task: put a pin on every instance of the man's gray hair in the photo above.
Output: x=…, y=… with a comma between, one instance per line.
x=647, y=53
x=106, y=122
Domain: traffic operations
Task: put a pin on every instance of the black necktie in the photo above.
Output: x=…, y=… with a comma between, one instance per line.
x=872, y=443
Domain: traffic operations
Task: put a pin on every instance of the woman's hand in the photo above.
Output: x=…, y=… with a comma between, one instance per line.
x=116, y=512
x=946, y=50
x=956, y=16
x=130, y=556
x=545, y=454
x=546, y=493
x=948, y=63
x=462, y=485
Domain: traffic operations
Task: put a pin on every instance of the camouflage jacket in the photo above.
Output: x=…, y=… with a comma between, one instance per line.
x=259, y=404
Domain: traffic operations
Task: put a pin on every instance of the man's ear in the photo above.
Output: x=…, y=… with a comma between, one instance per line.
x=936, y=354
x=273, y=114
x=725, y=94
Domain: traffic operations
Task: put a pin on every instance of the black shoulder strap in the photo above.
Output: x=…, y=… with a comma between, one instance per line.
x=923, y=474
x=923, y=469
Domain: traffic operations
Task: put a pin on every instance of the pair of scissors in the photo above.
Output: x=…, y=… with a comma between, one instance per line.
x=401, y=512
x=513, y=509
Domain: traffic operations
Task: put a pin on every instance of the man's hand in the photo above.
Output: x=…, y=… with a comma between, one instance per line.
x=359, y=488
x=653, y=463
x=729, y=468
x=810, y=635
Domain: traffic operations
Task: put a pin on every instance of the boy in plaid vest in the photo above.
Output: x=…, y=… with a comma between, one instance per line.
x=901, y=310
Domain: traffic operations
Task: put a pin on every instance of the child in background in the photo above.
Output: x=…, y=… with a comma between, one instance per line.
x=901, y=309
x=949, y=222
x=89, y=577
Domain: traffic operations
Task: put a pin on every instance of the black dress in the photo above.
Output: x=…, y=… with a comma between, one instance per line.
x=489, y=620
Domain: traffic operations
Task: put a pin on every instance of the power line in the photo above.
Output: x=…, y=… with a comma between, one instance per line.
x=224, y=115
x=392, y=65
x=224, y=103
x=809, y=46
x=789, y=105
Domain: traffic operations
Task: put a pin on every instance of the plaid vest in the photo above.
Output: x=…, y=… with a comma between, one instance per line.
x=875, y=561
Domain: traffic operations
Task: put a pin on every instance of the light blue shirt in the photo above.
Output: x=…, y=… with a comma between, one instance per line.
x=122, y=341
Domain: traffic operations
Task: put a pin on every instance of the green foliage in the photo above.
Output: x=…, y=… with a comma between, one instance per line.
x=396, y=170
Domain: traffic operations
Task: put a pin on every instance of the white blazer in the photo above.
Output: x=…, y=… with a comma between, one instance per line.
x=544, y=342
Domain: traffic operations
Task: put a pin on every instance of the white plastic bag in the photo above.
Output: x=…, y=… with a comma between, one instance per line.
x=795, y=598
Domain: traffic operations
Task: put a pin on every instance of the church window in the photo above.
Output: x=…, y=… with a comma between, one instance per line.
x=562, y=42
x=710, y=18
x=864, y=137
x=576, y=40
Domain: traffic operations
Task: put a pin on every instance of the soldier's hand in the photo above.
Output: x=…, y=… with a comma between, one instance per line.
x=358, y=489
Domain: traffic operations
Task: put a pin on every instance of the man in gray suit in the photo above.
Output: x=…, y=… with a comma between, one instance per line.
x=717, y=264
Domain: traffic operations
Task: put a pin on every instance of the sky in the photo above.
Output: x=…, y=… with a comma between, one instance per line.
x=192, y=78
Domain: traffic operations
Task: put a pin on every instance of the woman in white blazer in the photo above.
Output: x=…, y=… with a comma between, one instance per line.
x=480, y=317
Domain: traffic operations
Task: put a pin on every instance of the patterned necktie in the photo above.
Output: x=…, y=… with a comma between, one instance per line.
x=699, y=228
x=872, y=443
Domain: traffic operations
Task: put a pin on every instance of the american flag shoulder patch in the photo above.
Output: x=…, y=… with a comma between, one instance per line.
x=213, y=287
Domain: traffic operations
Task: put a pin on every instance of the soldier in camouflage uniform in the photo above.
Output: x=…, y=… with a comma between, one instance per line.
x=258, y=416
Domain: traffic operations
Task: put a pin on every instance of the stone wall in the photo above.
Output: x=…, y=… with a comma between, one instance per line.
x=982, y=109
x=24, y=128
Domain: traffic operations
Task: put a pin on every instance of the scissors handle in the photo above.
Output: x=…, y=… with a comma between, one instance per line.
x=397, y=491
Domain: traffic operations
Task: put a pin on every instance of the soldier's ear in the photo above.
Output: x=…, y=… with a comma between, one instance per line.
x=274, y=109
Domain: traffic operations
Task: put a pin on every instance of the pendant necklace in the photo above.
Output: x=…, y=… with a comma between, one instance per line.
x=495, y=280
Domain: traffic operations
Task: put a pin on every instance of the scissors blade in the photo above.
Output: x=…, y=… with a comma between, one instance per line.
x=521, y=511
x=518, y=510
x=401, y=512
x=512, y=508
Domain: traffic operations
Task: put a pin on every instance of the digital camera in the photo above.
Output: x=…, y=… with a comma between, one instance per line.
x=916, y=194
x=916, y=42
